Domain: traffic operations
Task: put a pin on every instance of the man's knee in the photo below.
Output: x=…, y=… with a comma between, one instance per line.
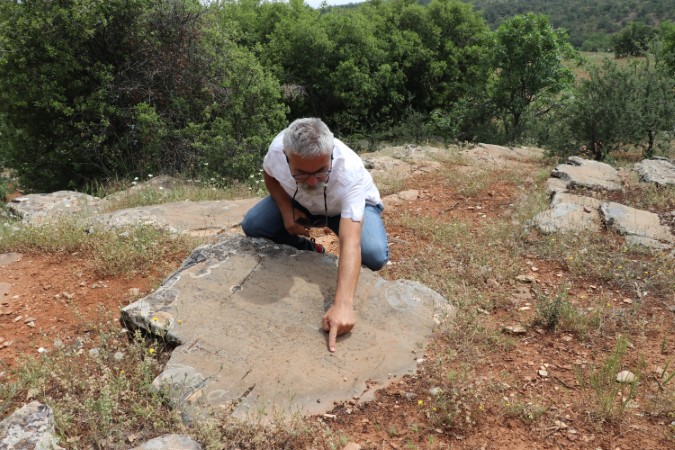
x=248, y=225
x=375, y=259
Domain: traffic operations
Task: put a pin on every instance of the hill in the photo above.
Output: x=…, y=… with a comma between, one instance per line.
x=589, y=22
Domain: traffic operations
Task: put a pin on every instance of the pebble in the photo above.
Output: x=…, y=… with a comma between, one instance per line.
x=514, y=329
x=525, y=278
x=435, y=391
x=134, y=291
x=542, y=373
x=626, y=376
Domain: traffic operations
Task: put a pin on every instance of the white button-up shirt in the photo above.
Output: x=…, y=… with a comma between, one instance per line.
x=350, y=186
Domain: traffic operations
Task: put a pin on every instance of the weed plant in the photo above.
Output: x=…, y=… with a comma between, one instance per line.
x=609, y=397
x=100, y=398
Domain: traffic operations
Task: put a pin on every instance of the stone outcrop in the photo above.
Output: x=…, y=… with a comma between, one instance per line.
x=170, y=442
x=497, y=155
x=579, y=172
x=29, y=428
x=660, y=171
x=643, y=225
x=40, y=208
x=246, y=316
x=570, y=213
x=204, y=218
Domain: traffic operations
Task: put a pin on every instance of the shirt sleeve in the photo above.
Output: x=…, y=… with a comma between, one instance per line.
x=354, y=201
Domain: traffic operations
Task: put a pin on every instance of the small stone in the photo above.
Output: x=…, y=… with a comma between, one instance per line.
x=68, y=295
x=17, y=318
x=525, y=278
x=42, y=350
x=628, y=301
x=543, y=373
x=435, y=391
x=29, y=319
x=351, y=446
x=134, y=291
x=514, y=329
x=626, y=376
x=534, y=269
x=31, y=324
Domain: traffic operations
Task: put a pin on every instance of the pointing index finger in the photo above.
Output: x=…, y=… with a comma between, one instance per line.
x=332, y=336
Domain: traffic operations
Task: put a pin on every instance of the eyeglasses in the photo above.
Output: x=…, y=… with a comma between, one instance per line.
x=304, y=221
x=321, y=175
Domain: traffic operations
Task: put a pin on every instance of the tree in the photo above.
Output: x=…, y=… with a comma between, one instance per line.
x=528, y=61
x=633, y=40
x=600, y=115
x=91, y=90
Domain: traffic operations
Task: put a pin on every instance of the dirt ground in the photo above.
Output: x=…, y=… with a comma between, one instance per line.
x=53, y=300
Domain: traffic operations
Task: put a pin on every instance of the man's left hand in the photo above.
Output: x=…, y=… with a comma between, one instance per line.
x=338, y=320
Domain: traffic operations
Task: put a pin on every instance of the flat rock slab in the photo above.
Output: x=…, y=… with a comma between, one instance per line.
x=40, y=208
x=170, y=442
x=570, y=213
x=579, y=172
x=635, y=222
x=246, y=314
x=504, y=156
x=205, y=218
x=29, y=428
x=9, y=258
x=659, y=171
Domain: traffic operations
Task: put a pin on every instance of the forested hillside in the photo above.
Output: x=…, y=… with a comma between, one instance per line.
x=588, y=22
x=93, y=91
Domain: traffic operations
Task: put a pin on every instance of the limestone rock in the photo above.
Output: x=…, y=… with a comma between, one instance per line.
x=587, y=173
x=660, y=171
x=497, y=155
x=570, y=213
x=29, y=428
x=42, y=208
x=205, y=218
x=170, y=442
x=246, y=318
x=626, y=376
x=554, y=185
x=635, y=222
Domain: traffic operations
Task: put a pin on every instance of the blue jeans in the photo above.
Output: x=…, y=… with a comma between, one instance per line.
x=264, y=220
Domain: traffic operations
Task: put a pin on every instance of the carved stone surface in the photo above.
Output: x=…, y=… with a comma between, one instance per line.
x=246, y=314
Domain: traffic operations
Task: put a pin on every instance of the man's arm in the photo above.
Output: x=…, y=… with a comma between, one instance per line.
x=340, y=318
x=284, y=204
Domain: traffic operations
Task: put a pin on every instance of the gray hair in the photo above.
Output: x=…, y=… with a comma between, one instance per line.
x=308, y=137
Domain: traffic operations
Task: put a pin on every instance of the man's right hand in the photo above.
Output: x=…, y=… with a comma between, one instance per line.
x=295, y=228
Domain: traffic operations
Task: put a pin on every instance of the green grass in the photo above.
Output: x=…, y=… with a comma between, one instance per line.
x=109, y=251
x=127, y=194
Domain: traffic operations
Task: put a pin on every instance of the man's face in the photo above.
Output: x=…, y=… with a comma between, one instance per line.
x=311, y=174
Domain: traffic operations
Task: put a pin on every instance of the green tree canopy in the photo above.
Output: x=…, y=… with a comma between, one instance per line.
x=528, y=59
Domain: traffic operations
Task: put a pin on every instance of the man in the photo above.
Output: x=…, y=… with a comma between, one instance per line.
x=316, y=180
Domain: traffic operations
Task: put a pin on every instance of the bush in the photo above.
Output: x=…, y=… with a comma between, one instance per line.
x=92, y=90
